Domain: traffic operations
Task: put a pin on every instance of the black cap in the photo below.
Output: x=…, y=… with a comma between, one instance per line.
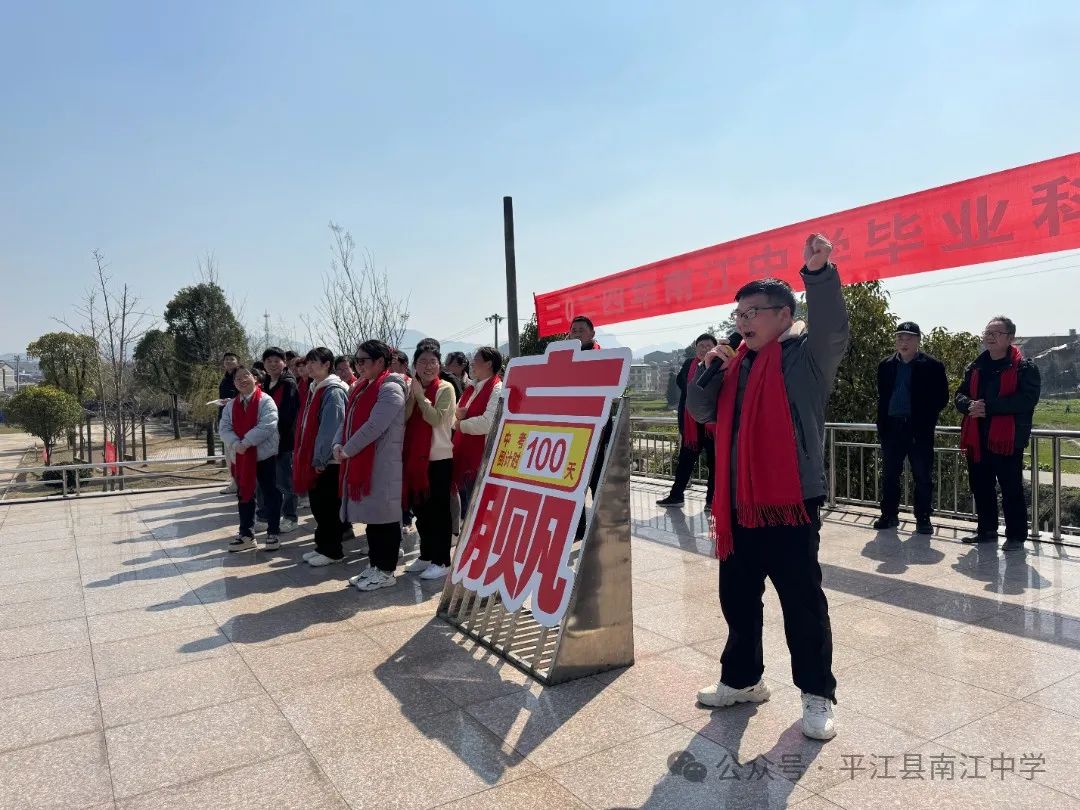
x=909, y=328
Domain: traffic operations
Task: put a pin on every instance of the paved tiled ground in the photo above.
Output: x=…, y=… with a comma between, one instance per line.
x=142, y=666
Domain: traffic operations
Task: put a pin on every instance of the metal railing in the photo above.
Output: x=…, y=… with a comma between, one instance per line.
x=853, y=468
x=109, y=478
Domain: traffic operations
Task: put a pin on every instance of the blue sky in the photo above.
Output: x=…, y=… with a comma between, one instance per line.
x=626, y=132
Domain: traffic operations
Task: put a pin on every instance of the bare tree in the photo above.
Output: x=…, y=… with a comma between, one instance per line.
x=358, y=303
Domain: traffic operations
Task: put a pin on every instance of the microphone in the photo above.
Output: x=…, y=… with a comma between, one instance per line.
x=734, y=340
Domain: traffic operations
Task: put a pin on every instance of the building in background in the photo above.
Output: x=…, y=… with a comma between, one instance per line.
x=7, y=377
x=644, y=377
x=1058, y=359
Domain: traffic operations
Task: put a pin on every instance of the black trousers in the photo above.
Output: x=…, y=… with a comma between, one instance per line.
x=326, y=509
x=1008, y=472
x=433, y=520
x=788, y=556
x=384, y=540
x=688, y=457
x=266, y=480
x=900, y=441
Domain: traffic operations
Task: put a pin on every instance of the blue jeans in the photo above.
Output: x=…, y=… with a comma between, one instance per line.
x=283, y=472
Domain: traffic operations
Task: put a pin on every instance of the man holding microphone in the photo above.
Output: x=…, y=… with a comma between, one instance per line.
x=767, y=400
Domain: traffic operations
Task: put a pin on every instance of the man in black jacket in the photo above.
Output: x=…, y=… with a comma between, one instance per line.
x=998, y=398
x=913, y=389
x=693, y=436
x=282, y=388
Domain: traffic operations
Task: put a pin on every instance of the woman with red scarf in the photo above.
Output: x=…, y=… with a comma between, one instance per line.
x=998, y=398
x=370, y=455
x=695, y=438
x=248, y=429
x=428, y=460
x=315, y=470
x=475, y=416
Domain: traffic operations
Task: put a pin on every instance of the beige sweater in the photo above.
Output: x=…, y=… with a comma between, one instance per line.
x=440, y=416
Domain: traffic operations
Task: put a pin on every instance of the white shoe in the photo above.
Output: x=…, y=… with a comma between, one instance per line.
x=309, y=554
x=272, y=543
x=817, y=717
x=435, y=571
x=241, y=543
x=379, y=579
x=417, y=566
x=230, y=489
x=318, y=560
x=723, y=695
x=261, y=526
x=363, y=575
x=287, y=525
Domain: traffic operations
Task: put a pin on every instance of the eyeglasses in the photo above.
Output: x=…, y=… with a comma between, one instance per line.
x=361, y=358
x=993, y=335
x=752, y=312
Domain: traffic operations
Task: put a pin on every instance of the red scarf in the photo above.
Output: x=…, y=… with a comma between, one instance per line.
x=244, y=467
x=1002, y=439
x=690, y=436
x=768, y=490
x=416, y=450
x=469, y=447
x=303, y=385
x=303, y=473
x=354, y=480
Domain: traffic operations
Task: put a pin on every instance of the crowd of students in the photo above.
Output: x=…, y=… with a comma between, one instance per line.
x=369, y=439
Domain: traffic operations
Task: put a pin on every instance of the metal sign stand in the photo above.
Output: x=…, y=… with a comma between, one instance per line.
x=597, y=632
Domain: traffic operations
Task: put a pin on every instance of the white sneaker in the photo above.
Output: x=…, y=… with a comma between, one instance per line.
x=435, y=571
x=723, y=695
x=817, y=717
x=363, y=575
x=241, y=543
x=379, y=579
x=272, y=543
x=230, y=489
x=309, y=554
x=287, y=525
x=417, y=566
x=318, y=560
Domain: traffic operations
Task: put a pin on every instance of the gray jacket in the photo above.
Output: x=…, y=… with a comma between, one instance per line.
x=386, y=428
x=331, y=417
x=810, y=361
x=263, y=437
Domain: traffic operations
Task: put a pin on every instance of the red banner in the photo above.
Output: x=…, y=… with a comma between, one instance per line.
x=1018, y=212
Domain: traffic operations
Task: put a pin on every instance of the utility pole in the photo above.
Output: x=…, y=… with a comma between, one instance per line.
x=266, y=329
x=18, y=366
x=496, y=318
x=511, y=277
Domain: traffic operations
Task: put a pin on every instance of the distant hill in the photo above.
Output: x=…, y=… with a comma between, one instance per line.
x=667, y=346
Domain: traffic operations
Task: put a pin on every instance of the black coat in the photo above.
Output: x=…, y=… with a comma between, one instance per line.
x=929, y=391
x=287, y=410
x=681, y=381
x=1021, y=404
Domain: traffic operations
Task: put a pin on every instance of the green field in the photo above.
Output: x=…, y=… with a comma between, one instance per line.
x=1051, y=414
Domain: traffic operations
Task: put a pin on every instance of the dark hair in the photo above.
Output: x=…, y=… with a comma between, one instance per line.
x=777, y=292
x=275, y=351
x=290, y=355
x=253, y=372
x=343, y=359
x=230, y=354
x=258, y=366
x=493, y=356
x=427, y=346
x=583, y=320
x=706, y=336
x=397, y=354
x=377, y=350
x=457, y=357
x=1010, y=327
x=320, y=354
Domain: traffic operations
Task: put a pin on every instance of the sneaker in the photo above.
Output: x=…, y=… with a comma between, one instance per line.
x=981, y=537
x=363, y=576
x=261, y=526
x=242, y=543
x=817, y=717
x=723, y=695
x=230, y=489
x=417, y=566
x=924, y=527
x=670, y=500
x=378, y=579
x=318, y=560
x=288, y=525
x=434, y=571
x=272, y=543
x=886, y=523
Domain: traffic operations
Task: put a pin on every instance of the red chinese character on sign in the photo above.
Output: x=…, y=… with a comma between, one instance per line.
x=713, y=272
x=571, y=471
x=1059, y=205
x=976, y=231
x=584, y=379
x=642, y=293
x=678, y=287
x=895, y=236
x=613, y=302
x=768, y=263
x=474, y=559
x=521, y=440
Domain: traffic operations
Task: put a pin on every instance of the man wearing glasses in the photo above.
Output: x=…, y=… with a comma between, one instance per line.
x=768, y=406
x=998, y=398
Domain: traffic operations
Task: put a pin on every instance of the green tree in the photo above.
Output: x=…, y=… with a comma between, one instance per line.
x=157, y=367
x=854, y=396
x=204, y=327
x=46, y=412
x=956, y=350
x=530, y=341
x=70, y=362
